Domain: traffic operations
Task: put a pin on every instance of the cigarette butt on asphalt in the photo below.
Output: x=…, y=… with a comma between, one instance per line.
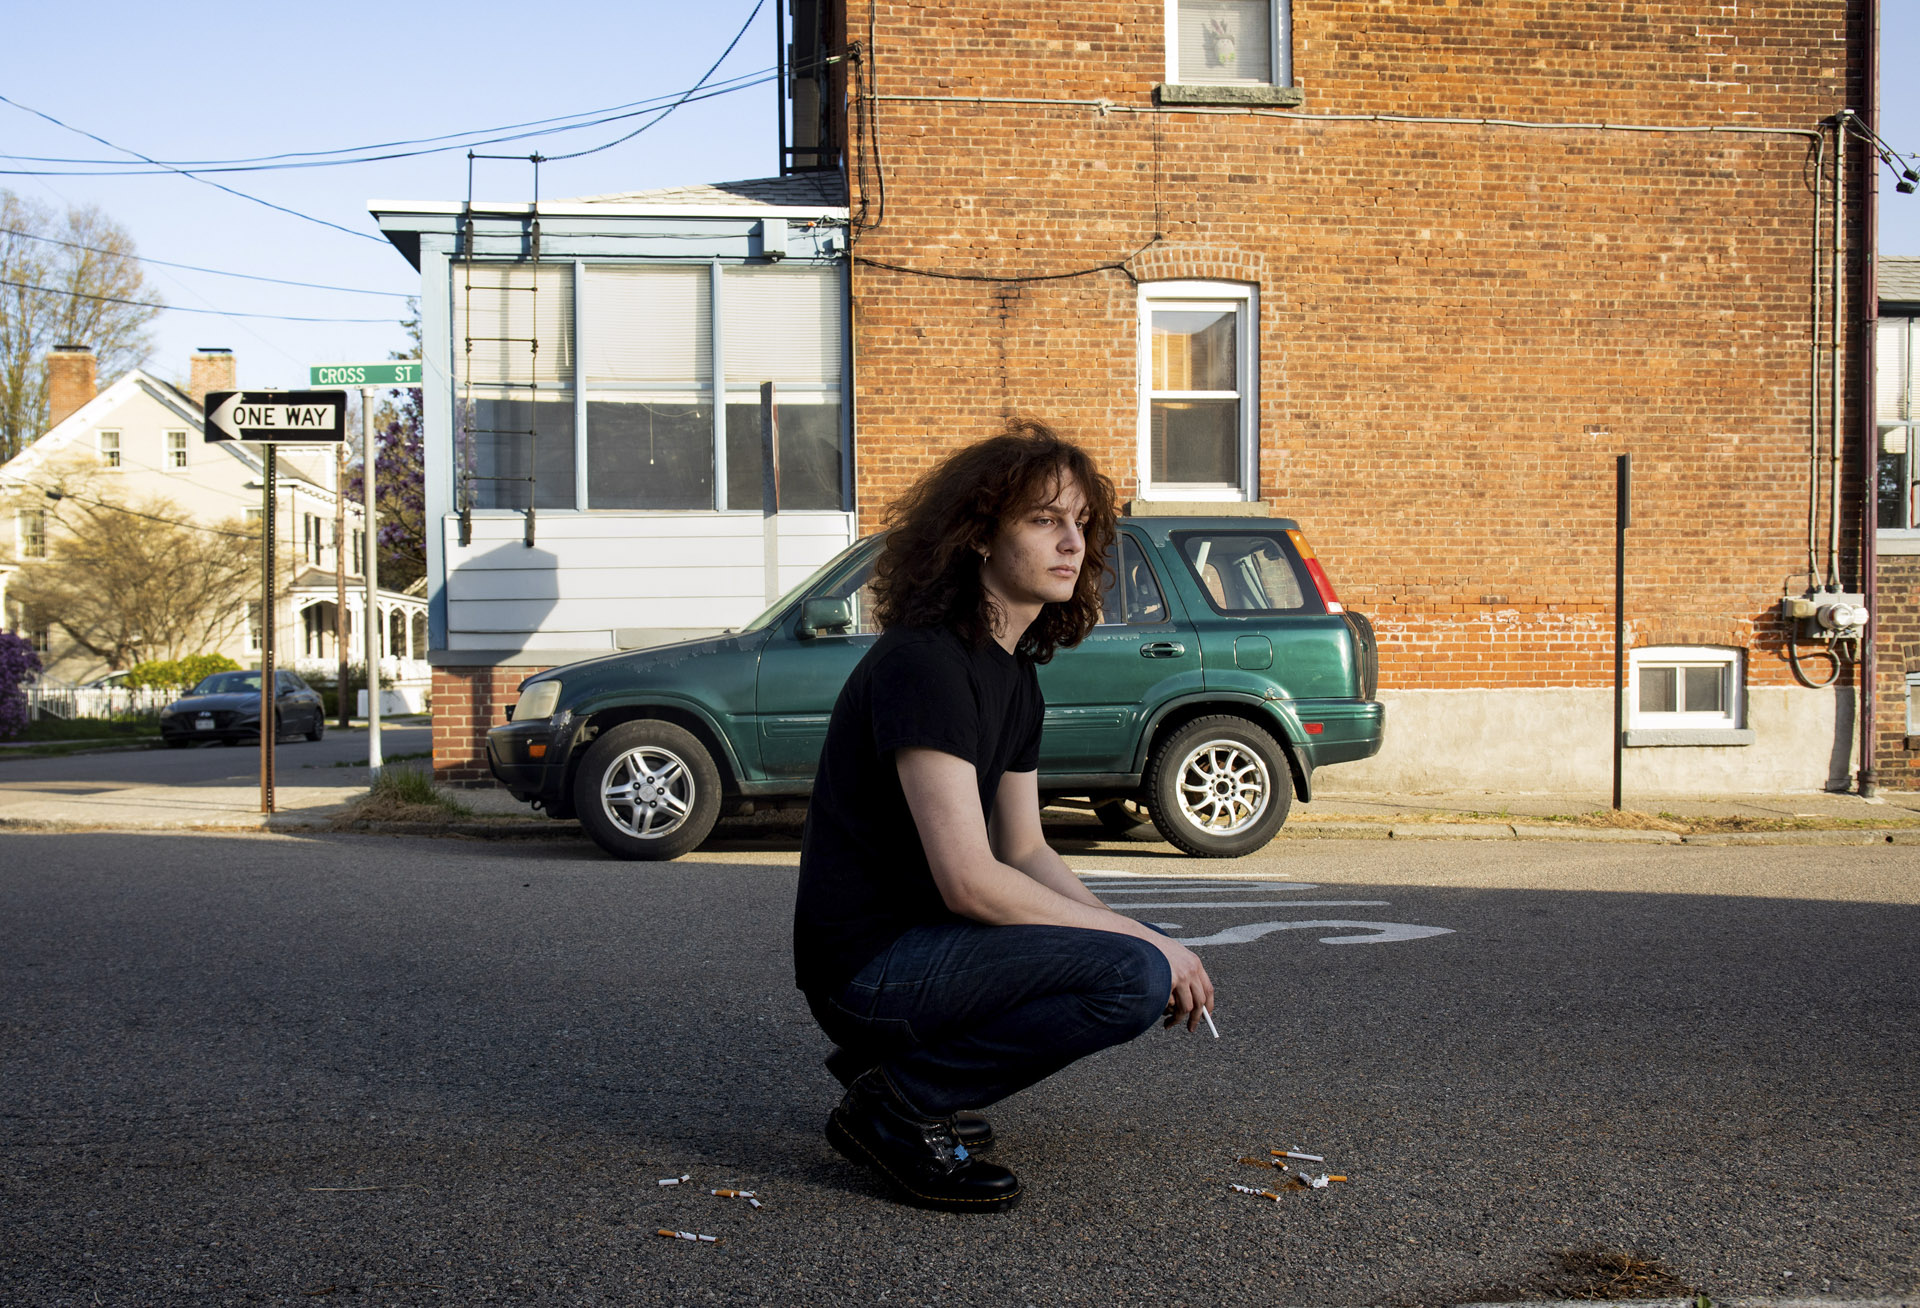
x=673, y=1180
x=756, y=1202
x=1292, y=1153
x=1264, y=1194
x=1210, y=1026
x=687, y=1235
x=733, y=1194
x=1253, y=1161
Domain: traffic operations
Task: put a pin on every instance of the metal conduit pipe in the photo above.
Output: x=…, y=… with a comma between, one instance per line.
x=1866, y=782
x=1834, y=342
x=1813, y=376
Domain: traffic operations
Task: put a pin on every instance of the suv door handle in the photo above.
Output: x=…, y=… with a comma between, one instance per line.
x=1162, y=649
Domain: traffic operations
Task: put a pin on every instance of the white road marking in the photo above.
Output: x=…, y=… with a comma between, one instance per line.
x=1380, y=933
x=1266, y=903
x=1245, y=887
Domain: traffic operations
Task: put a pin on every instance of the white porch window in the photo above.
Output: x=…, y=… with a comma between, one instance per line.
x=1685, y=687
x=1198, y=404
x=784, y=325
x=648, y=355
x=1235, y=42
x=513, y=349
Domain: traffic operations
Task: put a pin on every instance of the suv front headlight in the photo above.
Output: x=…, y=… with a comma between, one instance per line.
x=537, y=701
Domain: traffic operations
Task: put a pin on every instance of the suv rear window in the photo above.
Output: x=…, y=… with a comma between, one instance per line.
x=1243, y=571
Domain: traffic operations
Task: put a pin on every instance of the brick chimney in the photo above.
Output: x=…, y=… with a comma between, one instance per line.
x=71, y=381
x=212, y=371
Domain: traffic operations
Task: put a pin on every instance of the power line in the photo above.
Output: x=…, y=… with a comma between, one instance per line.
x=57, y=495
x=203, y=181
x=597, y=117
x=578, y=154
x=217, y=272
x=174, y=308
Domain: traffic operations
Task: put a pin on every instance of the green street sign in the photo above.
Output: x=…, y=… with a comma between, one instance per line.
x=402, y=372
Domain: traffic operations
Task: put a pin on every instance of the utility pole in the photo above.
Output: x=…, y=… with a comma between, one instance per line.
x=375, y=624
x=340, y=582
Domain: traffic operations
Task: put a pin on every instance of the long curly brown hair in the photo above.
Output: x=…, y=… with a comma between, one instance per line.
x=928, y=574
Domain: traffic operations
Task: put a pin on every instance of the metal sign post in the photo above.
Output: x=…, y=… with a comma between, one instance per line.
x=376, y=626
x=268, y=507
x=369, y=376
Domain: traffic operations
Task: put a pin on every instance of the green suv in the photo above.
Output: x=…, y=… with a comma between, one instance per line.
x=1225, y=672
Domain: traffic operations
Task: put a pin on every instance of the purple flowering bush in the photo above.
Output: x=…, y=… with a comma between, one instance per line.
x=19, y=665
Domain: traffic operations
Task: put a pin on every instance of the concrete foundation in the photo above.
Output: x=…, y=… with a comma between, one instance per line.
x=1558, y=740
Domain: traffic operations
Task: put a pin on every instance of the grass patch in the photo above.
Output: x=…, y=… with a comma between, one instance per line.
x=404, y=794
x=385, y=759
x=50, y=729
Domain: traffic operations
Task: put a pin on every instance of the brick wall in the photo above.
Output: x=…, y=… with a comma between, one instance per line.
x=1897, y=648
x=466, y=702
x=1459, y=326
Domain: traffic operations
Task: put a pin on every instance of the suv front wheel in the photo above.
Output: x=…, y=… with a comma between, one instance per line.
x=1219, y=787
x=647, y=790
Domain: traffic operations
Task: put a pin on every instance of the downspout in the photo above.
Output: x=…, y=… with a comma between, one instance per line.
x=1869, y=426
x=1813, y=379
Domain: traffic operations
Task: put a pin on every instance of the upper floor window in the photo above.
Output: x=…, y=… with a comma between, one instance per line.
x=30, y=528
x=1197, y=401
x=1235, y=42
x=1897, y=413
x=109, y=449
x=311, y=542
x=176, y=449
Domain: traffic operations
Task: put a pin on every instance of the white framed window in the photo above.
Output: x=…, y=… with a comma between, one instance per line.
x=40, y=636
x=176, y=450
x=1198, y=401
x=253, y=627
x=1230, y=42
x=1913, y=703
x=311, y=541
x=30, y=533
x=109, y=449
x=1896, y=406
x=1686, y=688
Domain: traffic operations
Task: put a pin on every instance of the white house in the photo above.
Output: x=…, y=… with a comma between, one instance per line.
x=140, y=442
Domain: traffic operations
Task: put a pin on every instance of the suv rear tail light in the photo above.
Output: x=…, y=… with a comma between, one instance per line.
x=1318, y=573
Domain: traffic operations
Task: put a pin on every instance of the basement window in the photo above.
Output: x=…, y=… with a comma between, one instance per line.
x=1686, y=695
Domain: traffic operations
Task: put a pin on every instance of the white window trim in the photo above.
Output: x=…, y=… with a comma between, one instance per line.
x=1279, y=34
x=20, y=519
x=181, y=450
x=119, y=449
x=1913, y=703
x=1245, y=299
x=1683, y=728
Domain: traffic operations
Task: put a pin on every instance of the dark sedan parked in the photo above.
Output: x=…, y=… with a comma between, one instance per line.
x=226, y=707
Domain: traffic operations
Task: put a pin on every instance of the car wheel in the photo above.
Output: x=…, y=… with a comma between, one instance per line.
x=1123, y=818
x=319, y=727
x=1219, y=787
x=647, y=790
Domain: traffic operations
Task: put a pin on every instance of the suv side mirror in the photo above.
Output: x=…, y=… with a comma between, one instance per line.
x=831, y=614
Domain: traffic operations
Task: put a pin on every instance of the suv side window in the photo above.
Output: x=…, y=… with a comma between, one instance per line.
x=1243, y=572
x=1132, y=595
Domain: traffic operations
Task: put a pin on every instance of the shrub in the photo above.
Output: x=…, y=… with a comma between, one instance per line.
x=18, y=666
x=179, y=674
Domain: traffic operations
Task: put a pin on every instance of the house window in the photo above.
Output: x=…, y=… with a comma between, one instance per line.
x=254, y=518
x=648, y=357
x=784, y=326
x=359, y=552
x=1913, y=704
x=1684, y=687
x=40, y=636
x=310, y=538
x=253, y=627
x=176, y=449
x=513, y=349
x=1236, y=42
x=1897, y=415
x=1197, y=400
x=30, y=529
x=109, y=449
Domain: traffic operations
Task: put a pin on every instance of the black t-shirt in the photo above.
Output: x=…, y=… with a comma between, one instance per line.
x=864, y=877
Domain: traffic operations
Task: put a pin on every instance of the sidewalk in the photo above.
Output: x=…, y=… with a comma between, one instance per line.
x=1811, y=818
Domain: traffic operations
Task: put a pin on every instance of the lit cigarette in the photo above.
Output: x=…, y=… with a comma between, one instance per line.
x=1291, y=1153
x=674, y=1180
x=733, y=1194
x=1210, y=1026
x=687, y=1235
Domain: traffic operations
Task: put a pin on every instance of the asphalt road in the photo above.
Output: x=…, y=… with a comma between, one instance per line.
x=355, y=1069
x=296, y=760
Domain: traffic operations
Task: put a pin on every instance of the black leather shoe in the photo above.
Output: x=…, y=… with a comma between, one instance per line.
x=920, y=1158
x=973, y=1131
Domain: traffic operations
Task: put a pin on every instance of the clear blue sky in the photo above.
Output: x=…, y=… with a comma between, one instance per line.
x=183, y=83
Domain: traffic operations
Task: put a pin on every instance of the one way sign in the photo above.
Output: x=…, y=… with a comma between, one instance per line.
x=284, y=417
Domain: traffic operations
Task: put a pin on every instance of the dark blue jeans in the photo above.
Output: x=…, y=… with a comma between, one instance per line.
x=961, y=1016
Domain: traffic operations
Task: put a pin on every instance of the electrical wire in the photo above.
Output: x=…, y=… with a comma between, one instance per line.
x=174, y=308
x=218, y=186
x=57, y=495
x=758, y=5
x=216, y=272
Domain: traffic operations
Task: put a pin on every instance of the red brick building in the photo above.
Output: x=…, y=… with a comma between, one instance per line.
x=1415, y=274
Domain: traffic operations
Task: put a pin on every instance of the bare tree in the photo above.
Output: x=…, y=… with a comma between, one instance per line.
x=130, y=581
x=60, y=280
